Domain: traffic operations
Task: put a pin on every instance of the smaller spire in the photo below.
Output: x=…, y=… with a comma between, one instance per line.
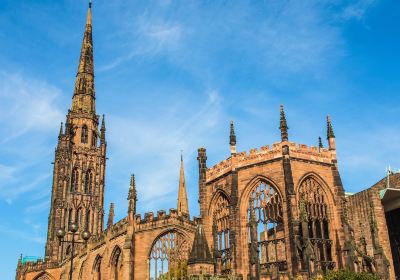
x=200, y=253
x=132, y=195
x=110, y=221
x=232, y=136
x=61, y=130
x=320, y=145
x=330, y=133
x=103, y=132
x=283, y=126
x=232, y=139
x=183, y=207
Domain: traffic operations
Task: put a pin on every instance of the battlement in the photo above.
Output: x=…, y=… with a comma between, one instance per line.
x=266, y=153
x=161, y=219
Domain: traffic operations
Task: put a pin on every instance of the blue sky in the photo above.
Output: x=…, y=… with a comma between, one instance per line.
x=170, y=75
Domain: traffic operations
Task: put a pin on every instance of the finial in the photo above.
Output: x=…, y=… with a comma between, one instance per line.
x=103, y=131
x=232, y=136
x=330, y=133
x=90, y=4
x=110, y=221
x=320, y=145
x=283, y=125
x=61, y=129
x=132, y=196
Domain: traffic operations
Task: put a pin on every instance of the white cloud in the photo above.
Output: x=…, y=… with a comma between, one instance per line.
x=27, y=105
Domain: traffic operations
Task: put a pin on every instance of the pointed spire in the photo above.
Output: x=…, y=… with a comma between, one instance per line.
x=283, y=126
x=200, y=252
x=61, y=130
x=103, y=131
x=84, y=84
x=330, y=133
x=320, y=145
x=110, y=220
x=182, y=206
x=132, y=196
x=232, y=136
x=232, y=139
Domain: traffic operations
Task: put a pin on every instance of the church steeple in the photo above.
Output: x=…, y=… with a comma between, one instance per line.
x=182, y=207
x=84, y=93
x=80, y=163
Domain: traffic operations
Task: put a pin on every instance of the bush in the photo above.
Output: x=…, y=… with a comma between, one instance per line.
x=347, y=275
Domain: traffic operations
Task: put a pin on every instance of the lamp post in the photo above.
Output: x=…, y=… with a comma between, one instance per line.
x=73, y=228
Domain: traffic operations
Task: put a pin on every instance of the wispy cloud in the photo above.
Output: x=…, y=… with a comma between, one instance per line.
x=26, y=105
x=357, y=10
x=14, y=233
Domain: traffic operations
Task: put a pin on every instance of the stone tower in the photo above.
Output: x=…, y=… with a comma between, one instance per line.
x=80, y=160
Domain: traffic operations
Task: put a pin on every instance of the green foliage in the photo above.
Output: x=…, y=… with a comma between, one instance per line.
x=348, y=275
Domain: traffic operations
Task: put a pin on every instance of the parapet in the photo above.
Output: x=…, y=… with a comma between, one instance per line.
x=266, y=153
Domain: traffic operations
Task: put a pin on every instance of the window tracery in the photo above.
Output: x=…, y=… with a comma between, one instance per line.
x=266, y=231
x=313, y=207
x=221, y=234
x=97, y=268
x=88, y=182
x=75, y=180
x=168, y=257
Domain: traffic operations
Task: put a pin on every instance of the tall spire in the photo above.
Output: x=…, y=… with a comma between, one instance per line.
x=283, y=126
x=330, y=134
x=110, y=220
x=182, y=206
x=84, y=93
x=232, y=139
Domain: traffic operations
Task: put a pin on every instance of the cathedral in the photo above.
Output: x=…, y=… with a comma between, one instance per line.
x=276, y=212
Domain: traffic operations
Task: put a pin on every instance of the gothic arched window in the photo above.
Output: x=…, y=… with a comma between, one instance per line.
x=88, y=182
x=97, y=268
x=94, y=139
x=84, y=134
x=313, y=209
x=168, y=257
x=221, y=233
x=266, y=231
x=75, y=180
x=116, y=262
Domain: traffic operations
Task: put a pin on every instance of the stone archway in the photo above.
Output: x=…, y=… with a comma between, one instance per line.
x=168, y=256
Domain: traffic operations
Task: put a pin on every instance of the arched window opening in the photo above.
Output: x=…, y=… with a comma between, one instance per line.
x=116, y=263
x=88, y=182
x=316, y=252
x=168, y=257
x=84, y=134
x=97, y=268
x=94, y=139
x=221, y=233
x=266, y=231
x=78, y=217
x=75, y=180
